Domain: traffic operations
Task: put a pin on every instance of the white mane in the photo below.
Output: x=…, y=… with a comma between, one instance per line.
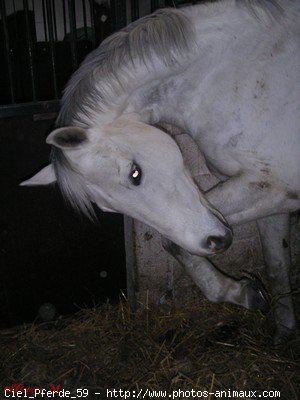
x=166, y=34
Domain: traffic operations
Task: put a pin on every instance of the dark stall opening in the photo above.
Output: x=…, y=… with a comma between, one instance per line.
x=50, y=256
x=53, y=261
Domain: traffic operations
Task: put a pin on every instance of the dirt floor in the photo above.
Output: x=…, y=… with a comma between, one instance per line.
x=198, y=346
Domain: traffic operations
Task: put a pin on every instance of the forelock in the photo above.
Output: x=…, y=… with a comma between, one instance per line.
x=71, y=183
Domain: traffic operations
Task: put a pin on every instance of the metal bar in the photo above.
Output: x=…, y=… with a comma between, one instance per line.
x=7, y=51
x=171, y=3
x=54, y=19
x=12, y=110
x=135, y=12
x=15, y=21
x=64, y=17
x=72, y=18
x=52, y=50
x=93, y=24
x=154, y=5
x=118, y=9
x=30, y=51
x=44, y=20
x=84, y=19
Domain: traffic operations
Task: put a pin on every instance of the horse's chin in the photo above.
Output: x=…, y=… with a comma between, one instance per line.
x=204, y=253
x=175, y=249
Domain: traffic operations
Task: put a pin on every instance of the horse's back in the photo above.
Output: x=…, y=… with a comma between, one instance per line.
x=248, y=99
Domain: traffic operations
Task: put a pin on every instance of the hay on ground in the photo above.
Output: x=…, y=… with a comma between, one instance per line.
x=198, y=346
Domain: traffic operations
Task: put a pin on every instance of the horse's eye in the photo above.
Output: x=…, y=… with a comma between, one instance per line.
x=135, y=174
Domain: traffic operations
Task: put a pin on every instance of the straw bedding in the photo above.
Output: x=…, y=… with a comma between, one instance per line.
x=198, y=346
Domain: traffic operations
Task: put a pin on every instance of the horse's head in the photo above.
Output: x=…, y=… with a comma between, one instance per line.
x=136, y=169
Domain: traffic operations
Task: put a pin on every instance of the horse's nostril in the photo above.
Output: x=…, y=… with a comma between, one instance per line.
x=217, y=243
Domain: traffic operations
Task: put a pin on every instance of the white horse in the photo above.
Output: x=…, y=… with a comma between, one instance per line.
x=227, y=73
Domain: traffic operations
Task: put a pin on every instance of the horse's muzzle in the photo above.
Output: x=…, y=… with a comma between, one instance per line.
x=218, y=244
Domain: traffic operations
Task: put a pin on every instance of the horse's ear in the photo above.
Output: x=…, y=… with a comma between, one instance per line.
x=44, y=177
x=68, y=137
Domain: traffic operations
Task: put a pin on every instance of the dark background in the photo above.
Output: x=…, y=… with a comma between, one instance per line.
x=48, y=253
